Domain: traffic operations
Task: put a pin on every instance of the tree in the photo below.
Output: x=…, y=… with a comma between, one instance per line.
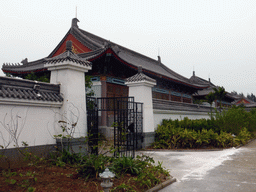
x=251, y=97
x=219, y=93
x=35, y=77
x=88, y=86
x=210, y=98
x=241, y=94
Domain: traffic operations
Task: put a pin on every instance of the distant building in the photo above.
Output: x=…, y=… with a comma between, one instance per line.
x=241, y=100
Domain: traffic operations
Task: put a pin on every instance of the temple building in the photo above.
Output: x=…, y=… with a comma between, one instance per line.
x=111, y=65
x=200, y=95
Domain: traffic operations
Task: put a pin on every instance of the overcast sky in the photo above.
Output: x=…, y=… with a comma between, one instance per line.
x=216, y=38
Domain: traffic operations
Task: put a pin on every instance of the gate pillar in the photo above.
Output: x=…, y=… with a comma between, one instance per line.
x=140, y=87
x=68, y=70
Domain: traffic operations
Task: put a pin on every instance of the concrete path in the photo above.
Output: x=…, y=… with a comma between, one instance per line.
x=230, y=170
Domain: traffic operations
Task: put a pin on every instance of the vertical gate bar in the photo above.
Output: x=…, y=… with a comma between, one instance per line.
x=114, y=128
x=136, y=128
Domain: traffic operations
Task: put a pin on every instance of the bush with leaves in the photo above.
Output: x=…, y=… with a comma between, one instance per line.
x=92, y=165
x=170, y=135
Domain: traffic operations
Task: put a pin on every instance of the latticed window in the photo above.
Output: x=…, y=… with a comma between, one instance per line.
x=176, y=98
x=114, y=90
x=157, y=95
x=187, y=100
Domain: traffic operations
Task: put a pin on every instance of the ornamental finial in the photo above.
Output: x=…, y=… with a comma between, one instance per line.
x=140, y=69
x=69, y=46
x=74, y=22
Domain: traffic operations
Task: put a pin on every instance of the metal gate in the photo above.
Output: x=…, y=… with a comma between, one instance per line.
x=121, y=113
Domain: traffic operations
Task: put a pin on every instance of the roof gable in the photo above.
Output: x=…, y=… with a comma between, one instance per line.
x=77, y=46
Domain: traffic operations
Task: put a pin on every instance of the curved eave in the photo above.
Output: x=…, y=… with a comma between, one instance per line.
x=109, y=50
x=24, y=72
x=83, y=36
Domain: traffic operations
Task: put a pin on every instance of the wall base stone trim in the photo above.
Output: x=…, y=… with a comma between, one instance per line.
x=15, y=159
x=73, y=145
x=148, y=139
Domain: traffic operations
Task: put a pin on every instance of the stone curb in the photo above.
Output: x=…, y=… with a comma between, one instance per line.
x=182, y=150
x=162, y=185
x=196, y=150
x=248, y=142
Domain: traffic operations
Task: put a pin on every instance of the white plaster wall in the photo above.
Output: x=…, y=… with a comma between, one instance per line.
x=74, y=103
x=36, y=125
x=143, y=94
x=159, y=115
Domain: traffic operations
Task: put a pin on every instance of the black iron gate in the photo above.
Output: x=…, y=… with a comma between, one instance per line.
x=121, y=113
x=92, y=124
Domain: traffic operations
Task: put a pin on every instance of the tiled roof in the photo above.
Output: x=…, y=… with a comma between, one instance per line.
x=198, y=80
x=241, y=97
x=161, y=104
x=204, y=92
x=92, y=54
x=208, y=90
x=68, y=56
x=98, y=45
x=140, y=77
x=25, y=68
x=130, y=56
x=29, y=90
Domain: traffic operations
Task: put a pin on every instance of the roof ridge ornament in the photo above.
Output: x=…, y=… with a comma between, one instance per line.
x=69, y=46
x=140, y=69
x=74, y=22
x=107, y=44
x=159, y=59
x=24, y=61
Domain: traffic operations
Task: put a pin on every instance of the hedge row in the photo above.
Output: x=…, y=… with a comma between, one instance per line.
x=229, y=128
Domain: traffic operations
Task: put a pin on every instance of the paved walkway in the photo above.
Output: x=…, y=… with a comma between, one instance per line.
x=230, y=170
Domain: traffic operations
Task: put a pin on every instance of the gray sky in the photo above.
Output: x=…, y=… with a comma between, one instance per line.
x=217, y=38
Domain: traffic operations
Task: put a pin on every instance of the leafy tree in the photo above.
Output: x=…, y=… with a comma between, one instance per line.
x=219, y=93
x=251, y=97
x=241, y=94
x=210, y=98
x=88, y=86
x=34, y=77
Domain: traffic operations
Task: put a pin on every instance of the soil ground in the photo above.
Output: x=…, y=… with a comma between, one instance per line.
x=64, y=179
x=53, y=178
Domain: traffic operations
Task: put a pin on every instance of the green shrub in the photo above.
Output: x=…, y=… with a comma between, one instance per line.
x=92, y=165
x=230, y=120
x=214, y=132
x=243, y=137
x=126, y=165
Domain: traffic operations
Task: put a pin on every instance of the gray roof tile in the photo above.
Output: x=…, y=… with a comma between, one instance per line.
x=68, y=56
x=140, y=77
x=25, y=89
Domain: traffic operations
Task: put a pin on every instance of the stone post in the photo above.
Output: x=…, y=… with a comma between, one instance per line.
x=140, y=87
x=68, y=70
